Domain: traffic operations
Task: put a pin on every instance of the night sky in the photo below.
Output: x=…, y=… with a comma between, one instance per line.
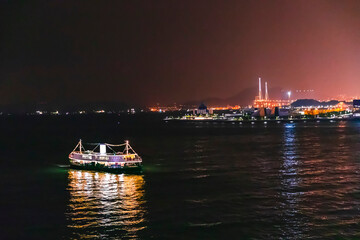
x=146, y=52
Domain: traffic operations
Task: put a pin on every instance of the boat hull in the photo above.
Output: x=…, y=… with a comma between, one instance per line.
x=100, y=167
x=104, y=166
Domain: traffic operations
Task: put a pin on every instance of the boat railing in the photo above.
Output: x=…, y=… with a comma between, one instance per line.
x=128, y=151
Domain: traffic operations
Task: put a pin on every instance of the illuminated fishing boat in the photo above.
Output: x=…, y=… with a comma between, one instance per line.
x=100, y=159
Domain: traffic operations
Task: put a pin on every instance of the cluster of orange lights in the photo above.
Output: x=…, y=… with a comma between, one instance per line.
x=322, y=111
x=338, y=108
x=164, y=109
x=227, y=108
x=271, y=103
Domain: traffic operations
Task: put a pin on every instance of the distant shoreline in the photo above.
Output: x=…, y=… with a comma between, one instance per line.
x=265, y=120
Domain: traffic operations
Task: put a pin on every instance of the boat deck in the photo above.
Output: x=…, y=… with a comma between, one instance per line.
x=105, y=157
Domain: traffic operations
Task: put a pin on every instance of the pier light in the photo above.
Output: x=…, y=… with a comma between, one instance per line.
x=289, y=94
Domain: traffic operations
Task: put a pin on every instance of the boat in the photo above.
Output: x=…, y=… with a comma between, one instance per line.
x=100, y=159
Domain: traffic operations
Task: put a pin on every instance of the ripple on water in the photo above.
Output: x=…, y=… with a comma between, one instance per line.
x=101, y=203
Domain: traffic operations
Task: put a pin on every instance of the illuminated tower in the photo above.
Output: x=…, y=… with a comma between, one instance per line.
x=266, y=92
x=260, y=95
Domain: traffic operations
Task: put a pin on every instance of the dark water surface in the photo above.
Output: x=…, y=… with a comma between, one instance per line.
x=200, y=180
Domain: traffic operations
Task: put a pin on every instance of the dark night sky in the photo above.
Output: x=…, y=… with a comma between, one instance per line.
x=174, y=51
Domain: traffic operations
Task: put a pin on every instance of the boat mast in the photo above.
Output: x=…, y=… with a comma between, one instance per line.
x=80, y=145
x=127, y=147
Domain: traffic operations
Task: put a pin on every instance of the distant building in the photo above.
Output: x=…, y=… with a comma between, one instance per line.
x=202, y=110
x=261, y=112
x=283, y=112
x=356, y=104
x=261, y=102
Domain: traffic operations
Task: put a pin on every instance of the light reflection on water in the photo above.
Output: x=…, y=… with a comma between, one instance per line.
x=286, y=181
x=290, y=180
x=294, y=181
x=105, y=205
x=319, y=179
